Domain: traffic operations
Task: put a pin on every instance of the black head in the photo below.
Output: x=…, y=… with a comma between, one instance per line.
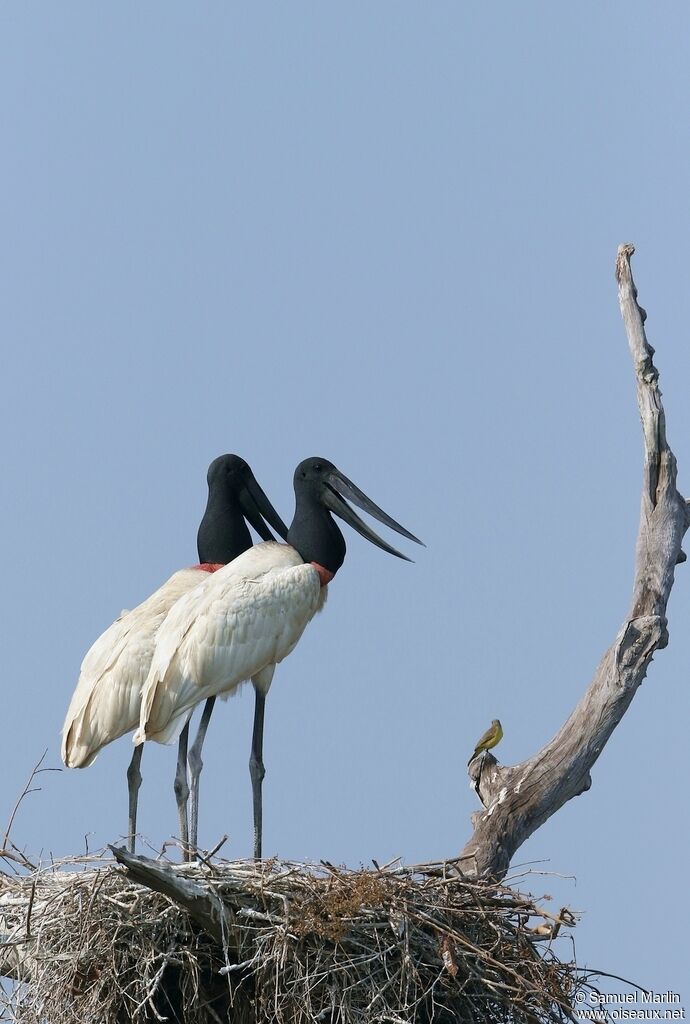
x=311, y=476
x=227, y=471
x=321, y=488
x=233, y=497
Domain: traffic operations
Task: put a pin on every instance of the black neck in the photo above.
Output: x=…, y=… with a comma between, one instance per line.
x=315, y=534
x=223, y=533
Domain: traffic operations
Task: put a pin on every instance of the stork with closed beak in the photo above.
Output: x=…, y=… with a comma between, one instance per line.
x=249, y=616
x=106, y=703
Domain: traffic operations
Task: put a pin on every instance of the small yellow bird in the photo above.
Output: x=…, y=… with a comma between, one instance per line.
x=489, y=739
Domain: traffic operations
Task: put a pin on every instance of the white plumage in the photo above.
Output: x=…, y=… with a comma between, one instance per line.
x=244, y=619
x=107, y=700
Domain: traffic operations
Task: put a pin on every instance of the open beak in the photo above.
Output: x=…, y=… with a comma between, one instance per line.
x=338, y=487
x=257, y=508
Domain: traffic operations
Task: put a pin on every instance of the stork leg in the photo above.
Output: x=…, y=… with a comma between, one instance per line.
x=181, y=788
x=256, y=768
x=195, y=766
x=133, y=784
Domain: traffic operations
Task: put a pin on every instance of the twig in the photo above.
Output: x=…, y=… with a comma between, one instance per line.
x=36, y=770
x=17, y=858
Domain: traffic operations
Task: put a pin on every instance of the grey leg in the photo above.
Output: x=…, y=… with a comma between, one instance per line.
x=256, y=768
x=133, y=784
x=195, y=766
x=182, y=789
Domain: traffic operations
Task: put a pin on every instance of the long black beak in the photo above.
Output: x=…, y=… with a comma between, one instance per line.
x=256, y=507
x=339, y=487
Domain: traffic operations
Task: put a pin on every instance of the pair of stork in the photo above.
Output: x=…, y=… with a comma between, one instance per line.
x=213, y=626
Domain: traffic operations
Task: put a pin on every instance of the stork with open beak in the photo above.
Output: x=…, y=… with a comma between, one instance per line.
x=250, y=615
x=106, y=702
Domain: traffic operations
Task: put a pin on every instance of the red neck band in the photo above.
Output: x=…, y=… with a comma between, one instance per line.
x=325, y=575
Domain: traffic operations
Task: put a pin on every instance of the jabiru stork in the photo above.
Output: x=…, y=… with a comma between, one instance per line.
x=249, y=616
x=107, y=699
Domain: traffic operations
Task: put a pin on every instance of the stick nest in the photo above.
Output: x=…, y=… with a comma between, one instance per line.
x=297, y=943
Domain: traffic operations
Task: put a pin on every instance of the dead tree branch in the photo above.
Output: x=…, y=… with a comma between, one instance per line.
x=518, y=799
x=202, y=906
x=36, y=770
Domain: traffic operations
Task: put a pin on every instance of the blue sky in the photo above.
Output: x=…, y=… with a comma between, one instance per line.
x=384, y=234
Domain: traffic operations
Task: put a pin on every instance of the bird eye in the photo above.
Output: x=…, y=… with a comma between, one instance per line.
x=317, y=467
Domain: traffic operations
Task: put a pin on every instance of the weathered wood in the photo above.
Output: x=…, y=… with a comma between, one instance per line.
x=519, y=798
x=206, y=909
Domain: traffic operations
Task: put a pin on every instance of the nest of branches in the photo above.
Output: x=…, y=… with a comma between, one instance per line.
x=285, y=942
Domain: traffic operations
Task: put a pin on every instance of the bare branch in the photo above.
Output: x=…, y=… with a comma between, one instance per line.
x=17, y=857
x=36, y=770
x=206, y=909
x=518, y=799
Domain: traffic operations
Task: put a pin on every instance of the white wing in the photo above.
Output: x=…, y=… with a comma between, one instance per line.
x=107, y=699
x=248, y=616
